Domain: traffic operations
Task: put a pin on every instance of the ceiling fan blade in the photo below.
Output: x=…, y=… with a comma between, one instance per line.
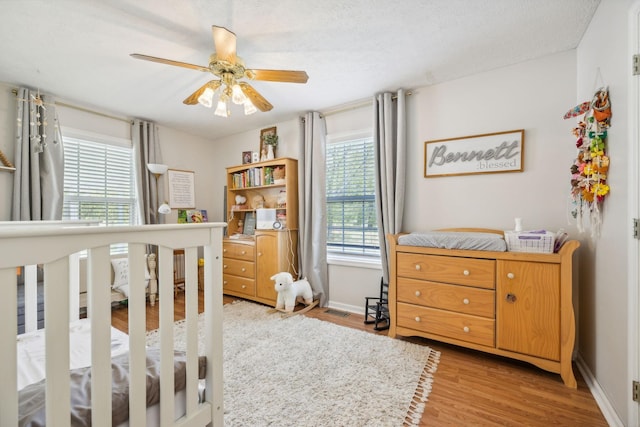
x=256, y=99
x=169, y=62
x=277, y=75
x=193, y=98
x=225, y=43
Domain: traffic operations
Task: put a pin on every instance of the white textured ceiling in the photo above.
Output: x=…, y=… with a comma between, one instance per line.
x=79, y=50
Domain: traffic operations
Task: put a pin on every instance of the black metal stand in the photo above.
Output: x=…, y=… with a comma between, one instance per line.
x=376, y=309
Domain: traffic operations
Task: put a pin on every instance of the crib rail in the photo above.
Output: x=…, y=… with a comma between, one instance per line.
x=55, y=246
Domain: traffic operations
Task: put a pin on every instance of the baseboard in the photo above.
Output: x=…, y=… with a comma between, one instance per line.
x=346, y=307
x=598, y=394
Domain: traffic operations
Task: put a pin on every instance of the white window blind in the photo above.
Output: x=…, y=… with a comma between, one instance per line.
x=351, y=212
x=99, y=182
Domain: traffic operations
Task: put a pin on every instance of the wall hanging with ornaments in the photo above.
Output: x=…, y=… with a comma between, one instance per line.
x=589, y=186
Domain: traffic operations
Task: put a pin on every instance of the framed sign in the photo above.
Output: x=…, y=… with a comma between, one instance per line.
x=181, y=189
x=468, y=155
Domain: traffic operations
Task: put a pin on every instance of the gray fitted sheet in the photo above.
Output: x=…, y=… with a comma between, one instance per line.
x=455, y=240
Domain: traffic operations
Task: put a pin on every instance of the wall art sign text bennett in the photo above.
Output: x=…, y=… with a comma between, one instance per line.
x=487, y=153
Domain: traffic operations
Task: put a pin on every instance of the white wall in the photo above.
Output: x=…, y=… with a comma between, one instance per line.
x=532, y=96
x=603, y=272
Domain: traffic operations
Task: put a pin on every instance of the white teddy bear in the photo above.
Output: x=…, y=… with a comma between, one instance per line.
x=289, y=291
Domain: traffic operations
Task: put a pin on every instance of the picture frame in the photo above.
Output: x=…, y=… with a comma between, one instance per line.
x=249, y=224
x=181, y=189
x=263, y=133
x=475, y=154
x=247, y=157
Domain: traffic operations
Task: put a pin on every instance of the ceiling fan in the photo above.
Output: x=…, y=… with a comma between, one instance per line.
x=230, y=69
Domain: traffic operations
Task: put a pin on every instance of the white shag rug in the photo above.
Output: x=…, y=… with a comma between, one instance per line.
x=300, y=371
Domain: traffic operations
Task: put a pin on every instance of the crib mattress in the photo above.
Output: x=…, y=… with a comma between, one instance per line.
x=455, y=240
x=31, y=354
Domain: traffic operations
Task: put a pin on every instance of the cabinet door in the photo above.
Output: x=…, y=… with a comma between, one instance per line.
x=528, y=308
x=267, y=254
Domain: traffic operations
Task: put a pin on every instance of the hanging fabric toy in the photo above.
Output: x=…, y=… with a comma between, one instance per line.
x=589, y=171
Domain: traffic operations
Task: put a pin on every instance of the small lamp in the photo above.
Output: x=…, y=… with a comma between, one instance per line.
x=164, y=209
x=158, y=169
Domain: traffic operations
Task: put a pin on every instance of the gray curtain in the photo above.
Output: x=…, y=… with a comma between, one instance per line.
x=390, y=141
x=312, y=248
x=146, y=149
x=39, y=159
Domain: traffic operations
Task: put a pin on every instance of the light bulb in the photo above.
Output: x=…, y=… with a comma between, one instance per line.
x=222, y=109
x=238, y=96
x=206, y=99
x=249, y=108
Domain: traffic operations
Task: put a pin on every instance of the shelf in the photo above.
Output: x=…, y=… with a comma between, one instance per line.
x=258, y=187
x=253, y=210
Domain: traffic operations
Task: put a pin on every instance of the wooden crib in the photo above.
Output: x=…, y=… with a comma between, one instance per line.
x=55, y=246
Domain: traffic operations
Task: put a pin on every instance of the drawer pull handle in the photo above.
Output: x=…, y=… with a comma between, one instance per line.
x=466, y=272
x=418, y=267
x=466, y=329
x=417, y=318
x=511, y=298
x=225, y=282
x=418, y=293
x=244, y=286
x=465, y=301
x=243, y=252
x=225, y=266
x=224, y=250
x=244, y=269
x=511, y=275
x=259, y=253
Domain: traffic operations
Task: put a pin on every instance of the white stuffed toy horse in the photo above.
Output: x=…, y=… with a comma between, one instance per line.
x=289, y=291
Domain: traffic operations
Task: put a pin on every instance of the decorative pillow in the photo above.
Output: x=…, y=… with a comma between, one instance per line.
x=121, y=272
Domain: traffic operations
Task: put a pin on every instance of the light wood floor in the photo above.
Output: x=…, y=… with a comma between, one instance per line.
x=470, y=388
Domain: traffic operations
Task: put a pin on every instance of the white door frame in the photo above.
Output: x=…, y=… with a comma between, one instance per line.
x=633, y=207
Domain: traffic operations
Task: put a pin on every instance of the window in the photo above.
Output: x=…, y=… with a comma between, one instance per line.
x=99, y=180
x=352, y=227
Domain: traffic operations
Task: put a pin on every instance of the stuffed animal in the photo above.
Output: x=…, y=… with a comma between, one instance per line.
x=290, y=291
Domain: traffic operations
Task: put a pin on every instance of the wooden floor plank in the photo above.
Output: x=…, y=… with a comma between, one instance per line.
x=470, y=388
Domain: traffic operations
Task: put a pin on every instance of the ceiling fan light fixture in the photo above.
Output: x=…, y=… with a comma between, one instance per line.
x=222, y=109
x=206, y=99
x=249, y=108
x=238, y=96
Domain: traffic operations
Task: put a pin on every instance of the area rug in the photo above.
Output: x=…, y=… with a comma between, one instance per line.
x=300, y=371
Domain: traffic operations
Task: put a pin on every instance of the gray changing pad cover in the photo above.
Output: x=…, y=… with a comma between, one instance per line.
x=455, y=240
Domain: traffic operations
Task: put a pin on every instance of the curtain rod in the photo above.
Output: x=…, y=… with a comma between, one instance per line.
x=86, y=110
x=355, y=105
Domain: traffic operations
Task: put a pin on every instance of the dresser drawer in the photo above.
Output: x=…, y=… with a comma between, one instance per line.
x=462, y=299
x=238, y=251
x=456, y=270
x=460, y=326
x=238, y=268
x=238, y=284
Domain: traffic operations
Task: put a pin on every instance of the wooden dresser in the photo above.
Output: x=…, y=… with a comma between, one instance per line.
x=512, y=304
x=248, y=264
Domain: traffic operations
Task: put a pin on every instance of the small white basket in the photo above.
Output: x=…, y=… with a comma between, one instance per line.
x=528, y=241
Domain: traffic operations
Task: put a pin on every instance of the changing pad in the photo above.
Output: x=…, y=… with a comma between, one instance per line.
x=455, y=240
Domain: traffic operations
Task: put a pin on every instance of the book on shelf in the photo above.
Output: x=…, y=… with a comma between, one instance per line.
x=252, y=177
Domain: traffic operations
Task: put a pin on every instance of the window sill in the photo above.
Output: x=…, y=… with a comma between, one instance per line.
x=354, y=261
